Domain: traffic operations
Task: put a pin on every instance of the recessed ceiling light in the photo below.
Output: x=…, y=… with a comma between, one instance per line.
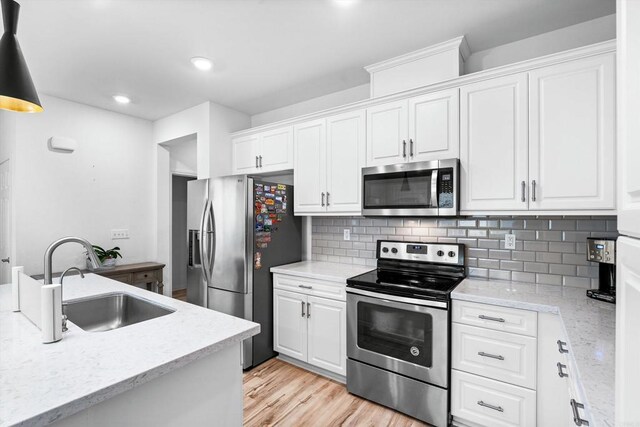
x=121, y=99
x=345, y=3
x=202, y=64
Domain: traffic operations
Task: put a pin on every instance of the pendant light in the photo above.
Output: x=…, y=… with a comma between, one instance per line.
x=17, y=92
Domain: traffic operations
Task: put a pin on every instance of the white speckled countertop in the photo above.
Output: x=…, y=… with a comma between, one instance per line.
x=590, y=327
x=41, y=383
x=321, y=270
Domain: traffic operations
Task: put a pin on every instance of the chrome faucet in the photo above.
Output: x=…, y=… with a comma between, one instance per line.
x=48, y=255
x=64, y=273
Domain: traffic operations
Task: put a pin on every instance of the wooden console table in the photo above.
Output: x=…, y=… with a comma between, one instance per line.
x=144, y=273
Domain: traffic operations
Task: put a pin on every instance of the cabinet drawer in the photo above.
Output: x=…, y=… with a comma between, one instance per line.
x=491, y=403
x=499, y=355
x=319, y=288
x=495, y=317
x=144, y=277
x=124, y=278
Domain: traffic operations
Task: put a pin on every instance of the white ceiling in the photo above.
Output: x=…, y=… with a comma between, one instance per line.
x=267, y=53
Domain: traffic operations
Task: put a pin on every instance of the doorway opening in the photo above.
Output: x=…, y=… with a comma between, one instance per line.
x=179, y=235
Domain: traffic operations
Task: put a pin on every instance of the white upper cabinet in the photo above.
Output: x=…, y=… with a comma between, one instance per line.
x=572, y=135
x=268, y=151
x=418, y=129
x=387, y=135
x=434, y=126
x=493, y=144
x=329, y=154
x=276, y=152
x=345, y=158
x=245, y=154
x=309, y=177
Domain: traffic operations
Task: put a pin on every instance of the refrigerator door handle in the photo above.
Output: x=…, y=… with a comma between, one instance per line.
x=211, y=257
x=204, y=236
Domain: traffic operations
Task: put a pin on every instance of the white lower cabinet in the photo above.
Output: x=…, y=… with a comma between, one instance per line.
x=308, y=327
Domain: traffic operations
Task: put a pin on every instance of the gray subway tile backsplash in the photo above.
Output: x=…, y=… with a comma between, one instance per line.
x=549, y=250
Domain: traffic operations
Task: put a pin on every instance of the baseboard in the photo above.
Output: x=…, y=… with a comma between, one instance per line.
x=308, y=367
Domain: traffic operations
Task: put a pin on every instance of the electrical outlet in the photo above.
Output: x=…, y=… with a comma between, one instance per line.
x=347, y=234
x=510, y=241
x=120, y=234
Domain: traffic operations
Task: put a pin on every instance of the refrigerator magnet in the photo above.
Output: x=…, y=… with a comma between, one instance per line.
x=270, y=202
x=282, y=187
x=257, y=260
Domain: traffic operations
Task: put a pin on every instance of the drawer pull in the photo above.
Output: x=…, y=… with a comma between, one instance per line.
x=575, y=406
x=561, y=373
x=493, y=356
x=561, y=345
x=493, y=319
x=305, y=287
x=486, y=405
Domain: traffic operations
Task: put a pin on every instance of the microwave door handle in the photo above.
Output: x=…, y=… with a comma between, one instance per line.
x=434, y=189
x=204, y=253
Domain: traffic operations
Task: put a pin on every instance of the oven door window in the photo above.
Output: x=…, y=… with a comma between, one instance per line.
x=401, y=334
x=399, y=190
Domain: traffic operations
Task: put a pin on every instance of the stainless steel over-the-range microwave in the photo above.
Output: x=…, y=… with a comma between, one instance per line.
x=411, y=189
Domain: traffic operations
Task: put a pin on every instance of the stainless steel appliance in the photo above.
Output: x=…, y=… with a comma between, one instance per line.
x=398, y=328
x=411, y=189
x=603, y=251
x=238, y=228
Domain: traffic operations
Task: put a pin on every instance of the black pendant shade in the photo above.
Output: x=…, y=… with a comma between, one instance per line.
x=17, y=92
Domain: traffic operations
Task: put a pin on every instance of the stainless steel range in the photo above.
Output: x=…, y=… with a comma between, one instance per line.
x=398, y=328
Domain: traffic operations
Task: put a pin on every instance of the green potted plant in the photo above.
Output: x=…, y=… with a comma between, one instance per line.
x=107, y=257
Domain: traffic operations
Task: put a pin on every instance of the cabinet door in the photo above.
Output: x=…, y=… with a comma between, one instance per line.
x=345, y=158
x=553, y=390
x=572, y=135
x=309, y=176
x=276, y=149
x=387, y=139
x=290, y=324
x=327, y=329
x=627, y=323
x=245, y=154
x=434, y=124
x=493, y=144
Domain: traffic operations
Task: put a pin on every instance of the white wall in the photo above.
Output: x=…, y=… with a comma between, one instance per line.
x=583, y=34
x=106, y=183
x=183, y=156
x=222, y=122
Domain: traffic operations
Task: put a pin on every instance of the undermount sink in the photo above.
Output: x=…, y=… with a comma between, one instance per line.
x=112, y=311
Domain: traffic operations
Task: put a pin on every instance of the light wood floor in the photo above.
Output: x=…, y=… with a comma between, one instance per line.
x=180, y=294
x=277, y=393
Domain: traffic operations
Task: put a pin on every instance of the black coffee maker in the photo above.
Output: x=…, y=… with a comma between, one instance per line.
x=603, y=251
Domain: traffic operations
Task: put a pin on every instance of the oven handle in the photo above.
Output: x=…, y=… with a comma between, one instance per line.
x=394, y=298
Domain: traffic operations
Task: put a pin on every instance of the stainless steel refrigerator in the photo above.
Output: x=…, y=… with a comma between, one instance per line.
x=238, y=228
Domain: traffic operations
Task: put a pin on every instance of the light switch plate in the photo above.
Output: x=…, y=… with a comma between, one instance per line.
x=510, y=241
x=347, y=234
x=122, y=233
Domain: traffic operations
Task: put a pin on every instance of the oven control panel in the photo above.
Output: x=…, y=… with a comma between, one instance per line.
x=421, y=252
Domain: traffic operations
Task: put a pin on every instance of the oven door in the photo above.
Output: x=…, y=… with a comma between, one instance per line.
x=401, y=335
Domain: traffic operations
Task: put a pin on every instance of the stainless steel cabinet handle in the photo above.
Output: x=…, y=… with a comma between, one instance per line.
x=533, y=190
x=257, y=162
x=524, y=197
x=260, y=157
x=327, y=198
x=308, y=310
x=7, y=260
x=410, y=147
x=322, y=204
x=486, y=405
x=302, y=303
x=305, y=287
x=493, y=356
x=561, y=348
x=575, y=406
x=493, y=319
x=404, y=148
x=560, y=366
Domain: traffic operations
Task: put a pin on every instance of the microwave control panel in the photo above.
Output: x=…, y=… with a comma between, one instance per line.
x=445, y=188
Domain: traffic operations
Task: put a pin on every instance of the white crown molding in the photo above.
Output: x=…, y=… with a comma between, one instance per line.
x=518, y=67
x=420, y=54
